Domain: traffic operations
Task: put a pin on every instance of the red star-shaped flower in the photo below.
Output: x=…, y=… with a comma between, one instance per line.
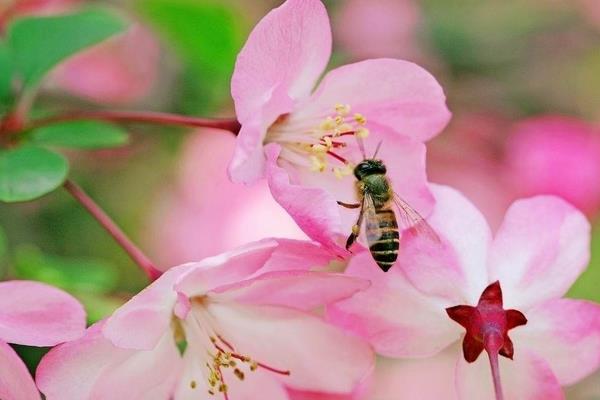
x=487, y=324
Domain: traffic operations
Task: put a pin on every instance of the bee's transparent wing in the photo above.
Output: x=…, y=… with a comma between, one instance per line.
x=410, y=220
x=373, y=231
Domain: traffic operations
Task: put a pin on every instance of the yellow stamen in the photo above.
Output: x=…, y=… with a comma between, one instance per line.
x=362, y=133
x=328, y=124
x=359, y=118
x=342, y=109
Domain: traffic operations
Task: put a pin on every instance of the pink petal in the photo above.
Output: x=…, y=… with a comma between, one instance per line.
x=319, y=356
x=143, y=320
x=304, y=290
x=92, y=368
x=281, y=61
x=393, y=94
x=456, y=268
x=15, y=381
x=540, y=249
x=395, y=318
x=226, y=268
x=430, y=378
x=298, y=255
x=284, y=55
x=248, y=161
x=566, y=334
x=526, y=377
x=314, y=209
x=121, y=70
x=557, y=155
x=36, y=314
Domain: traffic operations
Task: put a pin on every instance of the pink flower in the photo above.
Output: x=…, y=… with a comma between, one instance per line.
x=205, y=214
x=304, y=143
x=33, y=314
x=119, y=71
x=540, y=249
x=557, y=155
x=245, y=321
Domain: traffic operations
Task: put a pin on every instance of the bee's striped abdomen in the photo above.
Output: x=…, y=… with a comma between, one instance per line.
x=383, y=238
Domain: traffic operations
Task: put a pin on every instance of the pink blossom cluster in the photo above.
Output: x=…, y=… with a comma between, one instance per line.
x=465, y=312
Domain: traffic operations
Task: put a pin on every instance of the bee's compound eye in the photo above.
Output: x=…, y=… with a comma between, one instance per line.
x=361, y=170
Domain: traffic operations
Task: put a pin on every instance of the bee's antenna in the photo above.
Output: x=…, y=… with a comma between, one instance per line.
x=377, y=148
x=361, y=146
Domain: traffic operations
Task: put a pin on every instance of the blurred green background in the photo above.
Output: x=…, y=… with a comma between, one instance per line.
x=510, y=59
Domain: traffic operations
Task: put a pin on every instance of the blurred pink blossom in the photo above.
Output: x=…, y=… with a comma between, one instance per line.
x=33, y=314
x=205, y=213
x=469, y=156
x=248, y=333
x=121, y=70
x=556, y=155
x=378, y=28
x=118, y=71
x=540, y=249
x=297, y=140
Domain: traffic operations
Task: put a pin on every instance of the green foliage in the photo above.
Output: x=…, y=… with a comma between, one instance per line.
x=206, y=34
x=37, y=44
x=3, y=244
x=72, y=274
x=80, y=134
x=5, y=77
x=586, y=287
x=29, y=172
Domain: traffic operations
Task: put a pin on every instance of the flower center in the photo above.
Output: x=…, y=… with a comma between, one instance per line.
x=487, y=326
x=213, y=351
x=313, y=144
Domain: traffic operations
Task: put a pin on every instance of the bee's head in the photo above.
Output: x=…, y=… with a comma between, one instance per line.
x=369, y=167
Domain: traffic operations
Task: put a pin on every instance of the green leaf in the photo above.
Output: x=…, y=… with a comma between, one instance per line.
x=206, y=34
x=39, y=43
x=71, y=274
x=3, y=244
x=5, y=76
x=80, y=134
x=29, y=172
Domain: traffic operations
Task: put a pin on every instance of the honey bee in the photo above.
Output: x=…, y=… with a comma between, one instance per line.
x=377, y=198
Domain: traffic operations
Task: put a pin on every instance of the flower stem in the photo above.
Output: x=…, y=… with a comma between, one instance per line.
x=111, y=227
x=492, y=347
x=150, y=117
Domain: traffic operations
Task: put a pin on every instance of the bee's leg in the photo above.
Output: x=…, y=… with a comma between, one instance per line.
x=353, y=236
x=349, y=205
x=355, y=228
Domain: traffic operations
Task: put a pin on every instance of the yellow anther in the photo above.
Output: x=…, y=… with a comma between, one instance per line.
x=318, y=149
x=223, y=388
x=211, y=392
x=345, y=127
x=362, y=133
x=318, y=164
x=338, y=173
x=253, y=366
x=359, y=118
x=328, y=124
x=339, y=120
x=341, y=172
x=193, y=384
x=342, y=109
x=328, y=141
x=355, y=229
x=239, y=374
x=232, y=363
